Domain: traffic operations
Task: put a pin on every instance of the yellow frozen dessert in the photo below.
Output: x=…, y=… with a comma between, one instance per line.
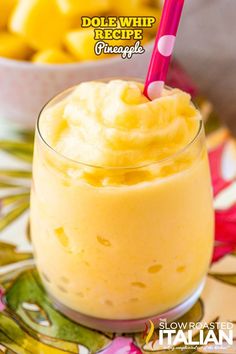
x=121, y=212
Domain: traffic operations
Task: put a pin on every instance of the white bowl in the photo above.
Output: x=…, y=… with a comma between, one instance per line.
x=25, y=87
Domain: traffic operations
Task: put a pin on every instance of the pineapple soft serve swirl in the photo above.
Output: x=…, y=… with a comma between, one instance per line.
x=121, y=242
x=114, y=125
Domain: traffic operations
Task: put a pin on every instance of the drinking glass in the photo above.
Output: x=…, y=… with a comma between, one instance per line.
x=117, y=246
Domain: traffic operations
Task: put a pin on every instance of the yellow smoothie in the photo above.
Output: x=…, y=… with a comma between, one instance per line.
x=121, y=207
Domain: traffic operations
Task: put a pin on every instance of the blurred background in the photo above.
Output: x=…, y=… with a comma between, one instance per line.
x=206, y=47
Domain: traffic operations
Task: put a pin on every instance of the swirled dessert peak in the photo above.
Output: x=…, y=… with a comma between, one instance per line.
x=114, y=124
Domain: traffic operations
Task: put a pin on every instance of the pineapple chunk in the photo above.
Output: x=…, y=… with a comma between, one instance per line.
x=39, y=22
x=13, y=47
x=6, y=7
x=84, y=8
x=80, y=43
x=52, y=56
x=122, y=5
x=141, y=10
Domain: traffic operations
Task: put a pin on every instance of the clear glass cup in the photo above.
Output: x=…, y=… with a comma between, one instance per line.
x=138, y=248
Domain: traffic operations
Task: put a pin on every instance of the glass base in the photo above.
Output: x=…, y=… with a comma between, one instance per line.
x=129, y=326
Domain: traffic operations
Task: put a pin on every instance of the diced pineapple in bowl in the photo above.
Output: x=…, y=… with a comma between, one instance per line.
x=43, y=50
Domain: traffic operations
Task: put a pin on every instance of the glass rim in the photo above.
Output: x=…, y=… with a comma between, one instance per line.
x=132, y=167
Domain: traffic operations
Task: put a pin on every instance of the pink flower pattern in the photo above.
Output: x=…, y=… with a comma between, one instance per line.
x=122, y=345
x=2, y=306
x=225, y=220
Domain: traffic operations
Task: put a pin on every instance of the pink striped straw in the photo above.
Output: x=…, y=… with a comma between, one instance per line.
x=163, y=48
